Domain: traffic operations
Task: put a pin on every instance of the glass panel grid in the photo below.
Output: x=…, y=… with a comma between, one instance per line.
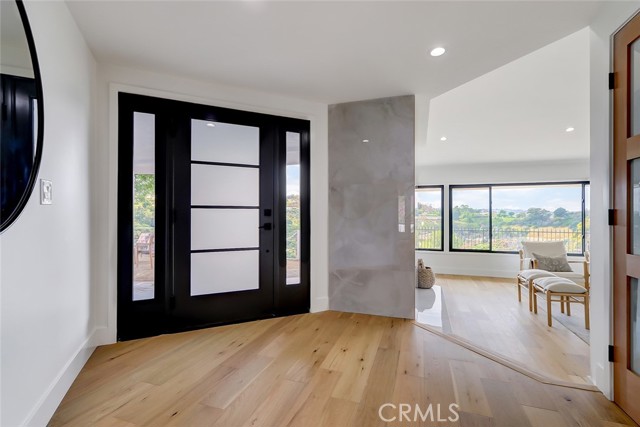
x=225, y=196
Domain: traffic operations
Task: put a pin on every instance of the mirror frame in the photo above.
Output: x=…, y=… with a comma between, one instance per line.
x=33, y=177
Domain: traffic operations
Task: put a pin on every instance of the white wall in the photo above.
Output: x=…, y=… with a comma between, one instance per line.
x=490, y=265
x=112, y=79
x=46, y=290
x=605, y=24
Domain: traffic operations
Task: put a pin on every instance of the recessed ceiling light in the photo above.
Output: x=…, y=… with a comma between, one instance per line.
x=365, y=140
x=211, y=125
x=438, y=51
x=444, y=138
x=569, y=129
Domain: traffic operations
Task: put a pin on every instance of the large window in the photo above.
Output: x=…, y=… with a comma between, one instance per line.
x=429, y=225
x=497, y=218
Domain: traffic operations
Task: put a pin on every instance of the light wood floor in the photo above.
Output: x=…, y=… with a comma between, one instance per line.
x=326, y=369
x=486, y=312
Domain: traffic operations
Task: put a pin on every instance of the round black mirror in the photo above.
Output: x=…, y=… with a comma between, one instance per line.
x=22, y=113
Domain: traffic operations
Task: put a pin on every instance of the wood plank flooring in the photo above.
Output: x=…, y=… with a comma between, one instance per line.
x=326, y=369
x=486, y=312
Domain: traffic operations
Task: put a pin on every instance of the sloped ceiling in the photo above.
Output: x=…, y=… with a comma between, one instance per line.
x=518, y=112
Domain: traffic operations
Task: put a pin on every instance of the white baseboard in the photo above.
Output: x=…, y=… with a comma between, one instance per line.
x=602, y=380
x=103, y=336
x=46, y=406
x=319, y=304
x=475, y=272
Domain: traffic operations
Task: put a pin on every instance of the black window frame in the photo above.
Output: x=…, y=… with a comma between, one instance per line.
x=521, y=184
x=442, y=217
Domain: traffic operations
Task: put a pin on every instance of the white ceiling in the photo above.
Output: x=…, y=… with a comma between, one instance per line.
x=518, y=112
x=326, y=51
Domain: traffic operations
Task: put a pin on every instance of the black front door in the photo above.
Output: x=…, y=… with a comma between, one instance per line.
x=214, y=203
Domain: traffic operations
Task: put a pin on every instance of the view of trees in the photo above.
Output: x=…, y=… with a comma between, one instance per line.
x=471, y=227
x=467, y=217
x=293, y=225
x=509, y=226
x=144, y=204
x=428, y=226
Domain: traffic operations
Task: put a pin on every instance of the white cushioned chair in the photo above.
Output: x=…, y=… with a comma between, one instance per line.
x=557, y=286
x=580, y=273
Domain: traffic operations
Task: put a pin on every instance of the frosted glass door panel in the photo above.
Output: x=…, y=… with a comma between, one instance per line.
x=218, y=272
x=224, y=228
x=224, y=185
x=224, y=143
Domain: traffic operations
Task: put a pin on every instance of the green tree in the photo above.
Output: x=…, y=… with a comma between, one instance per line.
x=293, y=225
x=144, y=203
x=538, y=217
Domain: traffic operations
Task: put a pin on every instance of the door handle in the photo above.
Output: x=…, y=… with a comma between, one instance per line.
x=266, y=226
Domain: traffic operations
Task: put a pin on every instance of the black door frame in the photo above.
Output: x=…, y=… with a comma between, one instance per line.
x=138, y=319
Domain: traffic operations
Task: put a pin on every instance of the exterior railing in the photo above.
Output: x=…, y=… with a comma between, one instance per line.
x=428, y=238
x=504, y=239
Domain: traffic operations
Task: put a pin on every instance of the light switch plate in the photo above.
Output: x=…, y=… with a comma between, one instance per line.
x=46, y=192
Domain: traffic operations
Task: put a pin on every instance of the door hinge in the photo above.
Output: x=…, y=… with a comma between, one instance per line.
x=610, y=353
x=612, y=217
x=612, y=81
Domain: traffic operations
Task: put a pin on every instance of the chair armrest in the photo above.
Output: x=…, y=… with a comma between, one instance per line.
x=525, y=263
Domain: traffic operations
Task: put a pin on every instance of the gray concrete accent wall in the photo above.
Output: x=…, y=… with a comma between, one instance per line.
x=371, y=191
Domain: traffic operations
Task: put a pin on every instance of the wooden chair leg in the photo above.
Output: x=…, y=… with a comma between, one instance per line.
x=519, y=290
x=549, y=321
x=568, y=306
x=586, y=312
x=535, y=302
x=562, y=305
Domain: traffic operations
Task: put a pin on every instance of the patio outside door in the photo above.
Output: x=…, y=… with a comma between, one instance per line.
x=626, y=296
x=220, y=243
